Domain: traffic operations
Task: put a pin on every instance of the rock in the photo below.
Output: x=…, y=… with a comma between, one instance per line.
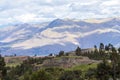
x=67, y=62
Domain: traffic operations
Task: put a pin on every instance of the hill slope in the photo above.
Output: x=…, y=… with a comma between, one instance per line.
x=45, y=38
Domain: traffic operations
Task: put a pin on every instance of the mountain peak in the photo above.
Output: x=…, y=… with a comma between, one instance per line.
x=60, y=22
x=60, y=34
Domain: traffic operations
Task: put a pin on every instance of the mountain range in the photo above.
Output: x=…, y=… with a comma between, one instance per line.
x=59, y=34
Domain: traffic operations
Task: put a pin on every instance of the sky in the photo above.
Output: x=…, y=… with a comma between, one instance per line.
x=31, y=11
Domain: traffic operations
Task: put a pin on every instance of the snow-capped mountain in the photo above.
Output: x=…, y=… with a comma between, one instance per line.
x=45, y=38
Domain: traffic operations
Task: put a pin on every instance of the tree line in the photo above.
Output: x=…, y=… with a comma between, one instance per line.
x=109, y=68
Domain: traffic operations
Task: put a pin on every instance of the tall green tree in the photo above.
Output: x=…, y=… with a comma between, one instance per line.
x=61, y=53
x=106, y=48
x=101, y=48
x=78, y=51
x=95, y=49
x=110, y=46
x=114, y=62
x=103, y=70
x=2, y=68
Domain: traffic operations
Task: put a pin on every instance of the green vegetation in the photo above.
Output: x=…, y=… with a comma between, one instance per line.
x=3, y=71
x=78, y=51
x=72, y=75
x=33, y=69
x=12, y=64
x=84, y=67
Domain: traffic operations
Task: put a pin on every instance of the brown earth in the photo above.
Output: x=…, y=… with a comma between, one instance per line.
x=67, y=62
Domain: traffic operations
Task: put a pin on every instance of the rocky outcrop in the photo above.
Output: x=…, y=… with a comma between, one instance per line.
x=67, y=62
x=15, y=59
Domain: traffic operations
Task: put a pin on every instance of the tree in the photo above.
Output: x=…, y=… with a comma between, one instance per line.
x=2, y=68
x=110, y=47
x=106, y=48
x=91, y=74
x=95, y=49
x=15, y=55
x=41, y=75
x=78, y=51
x=114, y=57
x=72, y=75
x=26, y=76
x=103, y=70
x=119, y=50
x=61, y=53
x=35, y=55
x=50, y=54
x=101, y=48
x=55, y=72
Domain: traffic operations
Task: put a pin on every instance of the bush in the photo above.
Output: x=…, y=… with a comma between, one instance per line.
x=71, y=75
x=41, y=75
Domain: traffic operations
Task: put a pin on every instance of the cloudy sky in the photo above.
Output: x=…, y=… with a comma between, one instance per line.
x=17, y=11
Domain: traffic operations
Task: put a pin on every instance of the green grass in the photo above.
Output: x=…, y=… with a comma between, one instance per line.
x=12, y=64
x=83, y=67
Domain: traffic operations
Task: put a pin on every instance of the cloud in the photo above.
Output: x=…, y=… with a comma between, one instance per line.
x=111, y=3
x=45, y=10
x=26, y=17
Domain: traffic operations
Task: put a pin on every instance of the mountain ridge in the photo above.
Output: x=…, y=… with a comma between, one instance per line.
x=59, y=34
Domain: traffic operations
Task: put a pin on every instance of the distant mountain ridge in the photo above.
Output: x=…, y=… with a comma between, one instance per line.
x=60, y=34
